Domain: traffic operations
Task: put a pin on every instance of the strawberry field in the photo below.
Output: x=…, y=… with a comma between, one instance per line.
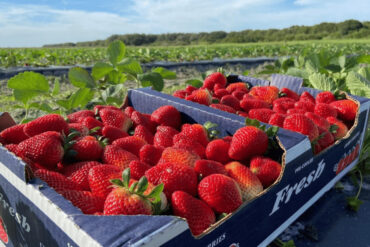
x=107, y=157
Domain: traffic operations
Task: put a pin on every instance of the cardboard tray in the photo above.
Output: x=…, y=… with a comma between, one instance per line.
x=35, y=215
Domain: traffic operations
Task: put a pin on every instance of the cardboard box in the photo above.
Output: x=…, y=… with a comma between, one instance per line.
x=35, y=215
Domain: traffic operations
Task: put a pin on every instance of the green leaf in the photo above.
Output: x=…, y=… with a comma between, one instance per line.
x=354, y=203
x=272, y=131
x=80, y=78
x=365, y=72
x=126, y=174
x=130, y=66
x=153, y=79
x=195, y=83
x=363, y=59
x=358, y=84
x=252, y=122
x=117, y=182
x=298, y=72
x=155, y=193
x=56, y=88
x=24, y=96
x=342, y=61
x=116, y=52
x=142, y=185
x=114, y=76
x=165, y=73
x=100, y=70
x=78, y=99
x=43, y=107
x=333, y=68
x=322, y=82
x=246, y=72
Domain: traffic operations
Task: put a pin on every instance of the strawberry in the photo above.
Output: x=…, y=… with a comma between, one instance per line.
x=242, y=114
x=78, y=173
x=200, y=96
x=3, y=234
x=164, y=135
x=115, y=118
x=317, y=148
x=113, y=133
x=56, y=180
x=180, y=94
x=213, y=79
x=82, y=129
x=92, y=123
x=223, y=108
x=302, y=124
x=220, y=192
x=12, y=147
x=114, y=155
x=129, y=110
x=241, y=86
x=295, y=111
x=178, y=156
x=231, y=101
x=167, y=116
x=45, y=149
x=277, y=119
x=49, y=122
x=281, y=105
x=266, y=169
x=14, y=134
x=84, y=200
x=325, y=139
x=196, y=212
x=184, y=142
x=74, y=117
x=305, y=105
x=347, y=109
x=218, y=86
x=205, y=168
x=132, y=144
x=341, y=130
x=325, y=97
x=98, y=108
x=287, y=93
x=189, y=89
x=174, y=177
x=262, y=115
x=247, y=104
x=142, y=132
x=247, y=142
x=265, y=93
x=99, y=179
x=216, y=150
x=87, y=148
x=141, y=119
x=325, y=110
x=248, y=182
x=318, y=120
x=220, y=93
x=131, y=200
x=227, y=139
x=138, y=169
x=307, y=96
x=150, y=154
x=239, y=94
x=196, y=132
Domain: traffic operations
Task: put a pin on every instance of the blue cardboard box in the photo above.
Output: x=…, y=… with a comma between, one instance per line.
x=33, y=214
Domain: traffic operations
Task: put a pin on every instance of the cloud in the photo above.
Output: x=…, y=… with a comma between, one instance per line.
x=35, y=25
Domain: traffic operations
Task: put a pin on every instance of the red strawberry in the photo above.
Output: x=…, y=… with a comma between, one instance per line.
x=242, y=114
x=99, y=179
x=74, y=117
x=189, y=89
x=200, y=96
x=325, y=97
x=325, y=110
x=277, y=119
x=218, y=86
x=84, y=200
x=141, y=119
x=138, y=169
x=213, y=79
x=50, y=122
x=281, y=105
x=56, y=180
x=150, y=154
x=113, y=133
x=247, y=142
x=98, y=108
x=266, y=169
x=3, y=234
x=14, y=134
x=178, y=156
x=129, y=110
x=220, y=192
x=174, y=177
x=205, y=168
x=197, y=132
x=180, y=94
x=78, y=173
x=164, y=135
x=87, y=148
x=265, y=93
x=114, y=155
x=115, y=118
x=341, y=130
x=305, y=105
x=241, y=86
x=196, y=212
x=45, y=149
x=168, y=116
x=12, y=147
x=347, y=109
x=294, y=111
x=318, y=120
x=247, y=104
x=239, y=94
x=217, y=150
x=231, y=101
x=262, y=115
x=223, y=108
x=92, y=123
x=132, y=144
x=286, y=92
x=317, y=148
x=184, y=142
x=325, y=139
x=249, y=183
x=302, y=124
x=142, y=132
x=82, y=129
x=220, y=93
x=307, y=96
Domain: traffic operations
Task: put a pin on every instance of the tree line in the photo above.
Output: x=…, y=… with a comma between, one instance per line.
x=349, y=29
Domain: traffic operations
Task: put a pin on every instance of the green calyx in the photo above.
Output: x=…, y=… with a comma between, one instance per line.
x=339, y=94
x=211, y=131
x=333, y=128
x=271, y=132
x=68, y=142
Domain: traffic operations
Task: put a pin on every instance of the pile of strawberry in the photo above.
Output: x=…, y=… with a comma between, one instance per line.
x=324, y=119
x=157, y=164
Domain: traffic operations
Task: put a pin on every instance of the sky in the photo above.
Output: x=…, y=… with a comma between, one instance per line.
x=29, y=23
